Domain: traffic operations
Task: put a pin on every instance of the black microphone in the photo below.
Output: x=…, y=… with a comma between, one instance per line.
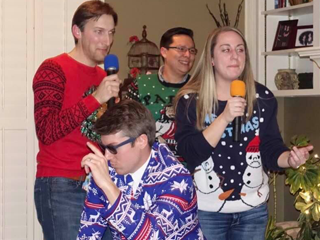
x=111, y=66
x=237, y=89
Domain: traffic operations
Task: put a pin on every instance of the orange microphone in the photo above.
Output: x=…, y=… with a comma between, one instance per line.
x=237, y=89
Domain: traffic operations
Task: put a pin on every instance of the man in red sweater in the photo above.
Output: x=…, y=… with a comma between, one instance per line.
x=62, y=101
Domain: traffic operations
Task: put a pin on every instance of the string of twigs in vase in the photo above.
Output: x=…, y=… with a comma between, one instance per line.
x=224, y=16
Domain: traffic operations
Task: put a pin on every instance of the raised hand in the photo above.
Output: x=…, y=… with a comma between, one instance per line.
x=108, y=88
x=235, y=108
x=97, y=163
x=298, y=156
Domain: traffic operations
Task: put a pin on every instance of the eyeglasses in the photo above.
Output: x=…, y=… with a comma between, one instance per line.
x=113, y=149
x=182, y=49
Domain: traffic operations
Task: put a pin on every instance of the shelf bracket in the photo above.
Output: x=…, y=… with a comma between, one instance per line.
x=313, y=53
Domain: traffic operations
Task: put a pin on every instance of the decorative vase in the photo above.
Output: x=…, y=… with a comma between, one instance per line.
x=290, y=227
x=295, y=2
x=286, y=79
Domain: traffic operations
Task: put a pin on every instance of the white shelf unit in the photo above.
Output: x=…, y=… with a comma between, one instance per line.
x=261, y=24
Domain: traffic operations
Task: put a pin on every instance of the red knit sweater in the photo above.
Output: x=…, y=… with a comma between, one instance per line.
x=59, y=109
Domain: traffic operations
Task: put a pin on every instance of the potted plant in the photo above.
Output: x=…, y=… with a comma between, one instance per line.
x=305, y=185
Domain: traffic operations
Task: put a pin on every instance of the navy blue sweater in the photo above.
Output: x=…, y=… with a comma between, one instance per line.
x=231, y=176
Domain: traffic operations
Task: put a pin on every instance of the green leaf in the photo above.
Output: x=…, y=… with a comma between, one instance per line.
x=300, y=205
x=299, y=141
x=304, y=177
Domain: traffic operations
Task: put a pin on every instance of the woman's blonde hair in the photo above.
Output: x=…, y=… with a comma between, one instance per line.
x=203, y=85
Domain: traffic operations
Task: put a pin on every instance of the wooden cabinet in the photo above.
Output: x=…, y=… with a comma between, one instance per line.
x=261, y=23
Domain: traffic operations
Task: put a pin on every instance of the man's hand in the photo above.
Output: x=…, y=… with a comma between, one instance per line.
x=108, y=88
x=98, y=165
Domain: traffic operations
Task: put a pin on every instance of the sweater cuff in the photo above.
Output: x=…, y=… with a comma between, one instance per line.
x=91, y=103
x=274, y=164
x=113, y=208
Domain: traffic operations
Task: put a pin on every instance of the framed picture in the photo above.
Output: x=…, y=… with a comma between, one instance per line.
x=304, y=36
x=286, y=35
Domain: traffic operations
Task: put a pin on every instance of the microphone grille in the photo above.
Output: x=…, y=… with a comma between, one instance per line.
x=111, y=61
x=238, y=88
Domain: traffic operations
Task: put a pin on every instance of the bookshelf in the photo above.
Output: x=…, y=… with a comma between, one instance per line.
x=261, y=23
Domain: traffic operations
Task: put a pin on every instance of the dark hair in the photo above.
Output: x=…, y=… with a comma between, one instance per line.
x=92, y=9
x=166, y=38
x=130, y=117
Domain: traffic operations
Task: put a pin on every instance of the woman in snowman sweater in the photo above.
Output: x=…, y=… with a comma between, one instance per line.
x=231, y=179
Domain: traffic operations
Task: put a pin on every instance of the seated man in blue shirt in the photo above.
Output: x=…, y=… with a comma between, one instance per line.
x=138, y=188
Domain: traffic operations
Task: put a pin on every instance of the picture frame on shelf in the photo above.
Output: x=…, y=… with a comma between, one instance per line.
x=286, y=35
x=304, y=36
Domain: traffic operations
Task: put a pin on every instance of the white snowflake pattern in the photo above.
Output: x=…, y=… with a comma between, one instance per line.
x=94, y=191
x=147, y=201
x=155, y=235
x=200, y=235
x=182, y=186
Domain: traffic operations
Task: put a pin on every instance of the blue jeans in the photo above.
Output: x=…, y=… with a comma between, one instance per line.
x=235, y=226
x=59, y=203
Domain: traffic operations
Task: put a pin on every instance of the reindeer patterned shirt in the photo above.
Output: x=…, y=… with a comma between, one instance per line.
x=164, y=206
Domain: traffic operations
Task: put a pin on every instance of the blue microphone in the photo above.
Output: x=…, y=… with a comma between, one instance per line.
x=111, y=66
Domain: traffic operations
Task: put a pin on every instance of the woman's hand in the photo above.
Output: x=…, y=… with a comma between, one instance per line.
x=299, y=156
x=235, y=108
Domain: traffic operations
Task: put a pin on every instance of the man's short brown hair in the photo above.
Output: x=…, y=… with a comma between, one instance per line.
x=92, y=10
x=130, y=117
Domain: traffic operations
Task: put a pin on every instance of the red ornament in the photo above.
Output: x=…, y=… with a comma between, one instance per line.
x=133, y=39
x=134, y=72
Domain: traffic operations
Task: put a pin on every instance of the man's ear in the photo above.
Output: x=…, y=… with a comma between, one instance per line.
x=163, y=52
x=76, y=32
x=142, y=141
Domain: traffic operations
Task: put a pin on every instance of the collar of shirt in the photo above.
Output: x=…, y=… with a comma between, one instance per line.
x=137, y=175
x=160, y=74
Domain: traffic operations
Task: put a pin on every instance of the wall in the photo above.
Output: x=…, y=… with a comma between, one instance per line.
x=296, y=116
x=159, y=16
x=277, y=203
x=301, y=117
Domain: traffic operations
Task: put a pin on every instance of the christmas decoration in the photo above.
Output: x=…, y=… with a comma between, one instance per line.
x=134, y=72
x=133, y=39
x=88, y=124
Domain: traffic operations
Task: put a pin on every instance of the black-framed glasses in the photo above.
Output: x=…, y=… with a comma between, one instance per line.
x=113, y=149
x=182, y=49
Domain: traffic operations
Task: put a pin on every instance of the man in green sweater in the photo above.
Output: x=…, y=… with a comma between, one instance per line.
x=156, y=91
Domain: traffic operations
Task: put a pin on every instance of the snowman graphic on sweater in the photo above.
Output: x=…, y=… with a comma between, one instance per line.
x=255, y=190
x=208, y=184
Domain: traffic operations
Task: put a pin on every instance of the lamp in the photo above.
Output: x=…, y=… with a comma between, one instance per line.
x=144, y=55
